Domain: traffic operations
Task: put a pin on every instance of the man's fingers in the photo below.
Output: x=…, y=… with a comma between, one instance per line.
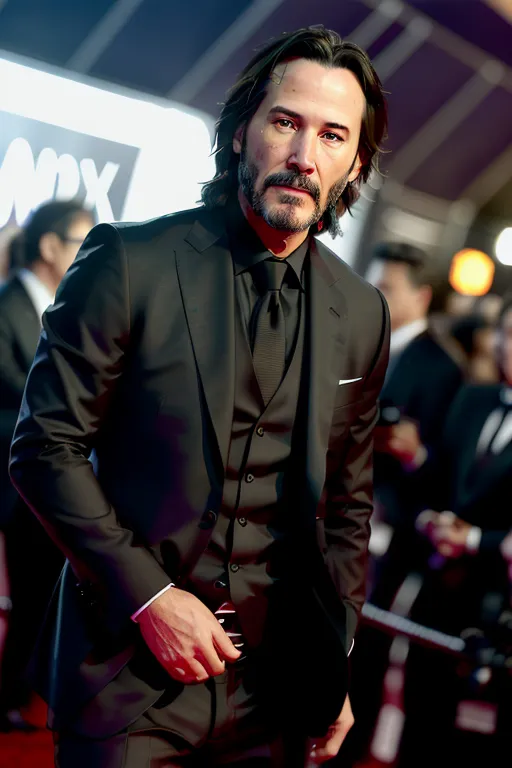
x=210, y=660
x=186, y=670
x=326, y=749
x=224, y=646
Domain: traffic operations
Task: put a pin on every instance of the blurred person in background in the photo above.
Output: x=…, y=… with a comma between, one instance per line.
x=474, y=336
x=468, y=485
x=39, y=256
x=9, y=236
x=489, y=307
x=421, y=382
x=225, y=368
x=459, y=304
x=10, y=252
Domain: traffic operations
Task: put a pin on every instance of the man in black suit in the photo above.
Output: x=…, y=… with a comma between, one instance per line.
x=468, y=486
x=224, y=368
x=421, y=383
x=50, y=240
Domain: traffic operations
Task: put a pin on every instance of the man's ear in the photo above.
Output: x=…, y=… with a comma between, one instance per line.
x=356, y=168
x=49, y=247
x=426, y=294
x=238, y=139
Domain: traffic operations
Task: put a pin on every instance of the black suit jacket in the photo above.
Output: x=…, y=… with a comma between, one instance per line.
x=19, y=334
x=422, y=383
x=475, y=491
x=136, y=363
x=468, y=590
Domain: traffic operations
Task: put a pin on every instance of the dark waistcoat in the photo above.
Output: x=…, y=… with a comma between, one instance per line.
x=246, y=552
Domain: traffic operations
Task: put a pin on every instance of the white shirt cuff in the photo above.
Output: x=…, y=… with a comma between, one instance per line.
x=135, y=615
x=473, y=540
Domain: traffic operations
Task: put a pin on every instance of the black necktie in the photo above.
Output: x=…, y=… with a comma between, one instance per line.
x=269, y=337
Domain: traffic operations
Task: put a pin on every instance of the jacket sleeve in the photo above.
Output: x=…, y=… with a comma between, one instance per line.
x=78, y=363
x=349, y=491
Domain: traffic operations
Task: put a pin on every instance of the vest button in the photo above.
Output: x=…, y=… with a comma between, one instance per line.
x=260, y=431
x=208, y=520
x=234, y=567
x=219, y=584
x=249, y=478
x=242, y=521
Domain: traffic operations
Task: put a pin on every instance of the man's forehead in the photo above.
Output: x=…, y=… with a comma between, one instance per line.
x=335, y=87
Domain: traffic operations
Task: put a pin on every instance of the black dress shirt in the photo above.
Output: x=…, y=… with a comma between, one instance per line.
x=247, y=250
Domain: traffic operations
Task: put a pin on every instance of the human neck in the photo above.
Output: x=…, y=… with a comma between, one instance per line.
x=43, y=273
x=279, y=242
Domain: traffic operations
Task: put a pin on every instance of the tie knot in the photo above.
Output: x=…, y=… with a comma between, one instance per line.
x=269, y=275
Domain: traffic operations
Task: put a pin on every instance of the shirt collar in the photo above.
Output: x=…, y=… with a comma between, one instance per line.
x=407, y=333
x=248, y=250
x=37, y=291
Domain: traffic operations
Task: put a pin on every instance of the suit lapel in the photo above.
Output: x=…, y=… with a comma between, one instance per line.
x=327, y=314
x=205, y=273
x=478, y=481
x=472, y=479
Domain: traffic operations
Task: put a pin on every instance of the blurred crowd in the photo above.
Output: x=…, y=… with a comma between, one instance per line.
x=439, y=547
x=443, y=472
x=34, y=260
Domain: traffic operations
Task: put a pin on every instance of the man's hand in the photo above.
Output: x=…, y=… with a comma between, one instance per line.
x=328, y=747
x=447, y=532
x=185, y=637
x=451, y=536
x=401, y=440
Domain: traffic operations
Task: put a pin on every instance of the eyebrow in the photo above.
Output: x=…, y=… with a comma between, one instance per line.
x=296, y=116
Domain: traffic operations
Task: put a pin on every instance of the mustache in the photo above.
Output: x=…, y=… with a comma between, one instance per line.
x=295, y=180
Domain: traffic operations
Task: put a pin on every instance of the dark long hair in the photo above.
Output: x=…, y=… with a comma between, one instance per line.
x=244, y=98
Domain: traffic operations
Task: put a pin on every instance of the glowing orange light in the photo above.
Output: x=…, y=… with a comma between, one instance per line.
x=471, y=272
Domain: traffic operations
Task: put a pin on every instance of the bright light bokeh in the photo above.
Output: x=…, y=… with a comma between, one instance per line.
x=471, y=272
x=503, y=247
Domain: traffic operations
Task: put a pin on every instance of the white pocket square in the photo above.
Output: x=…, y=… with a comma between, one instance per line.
x=349, y=381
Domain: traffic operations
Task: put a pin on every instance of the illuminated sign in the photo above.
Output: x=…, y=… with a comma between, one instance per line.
x=126, y=158
x=26, y=181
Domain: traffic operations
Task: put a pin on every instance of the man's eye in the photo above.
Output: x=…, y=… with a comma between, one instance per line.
x=284, y=122
x=332, y=137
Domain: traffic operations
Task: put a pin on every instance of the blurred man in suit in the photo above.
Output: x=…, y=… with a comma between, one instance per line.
x=468, y=486
x=421, y=382
x=225, y=367
x=48, y=243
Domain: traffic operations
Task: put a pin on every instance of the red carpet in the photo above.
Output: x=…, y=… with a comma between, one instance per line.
x=34, y=750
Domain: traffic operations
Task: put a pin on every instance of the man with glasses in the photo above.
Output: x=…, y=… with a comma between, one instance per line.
x=49, y=243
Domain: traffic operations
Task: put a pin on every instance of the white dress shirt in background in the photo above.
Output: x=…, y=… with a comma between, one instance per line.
x=40, y=296
x=403, y=336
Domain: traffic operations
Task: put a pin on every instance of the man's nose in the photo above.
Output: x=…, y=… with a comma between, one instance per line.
x=302, y=158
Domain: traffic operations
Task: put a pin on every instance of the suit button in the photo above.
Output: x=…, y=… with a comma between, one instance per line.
x=249, y=478
x=219, y=584
x=260, y=431
x=242, y=521
x=234, y=567
x=208, y=520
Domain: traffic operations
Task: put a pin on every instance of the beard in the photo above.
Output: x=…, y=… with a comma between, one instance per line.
x=288, y=220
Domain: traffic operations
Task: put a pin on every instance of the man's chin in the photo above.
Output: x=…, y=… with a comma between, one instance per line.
x=287, y=218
